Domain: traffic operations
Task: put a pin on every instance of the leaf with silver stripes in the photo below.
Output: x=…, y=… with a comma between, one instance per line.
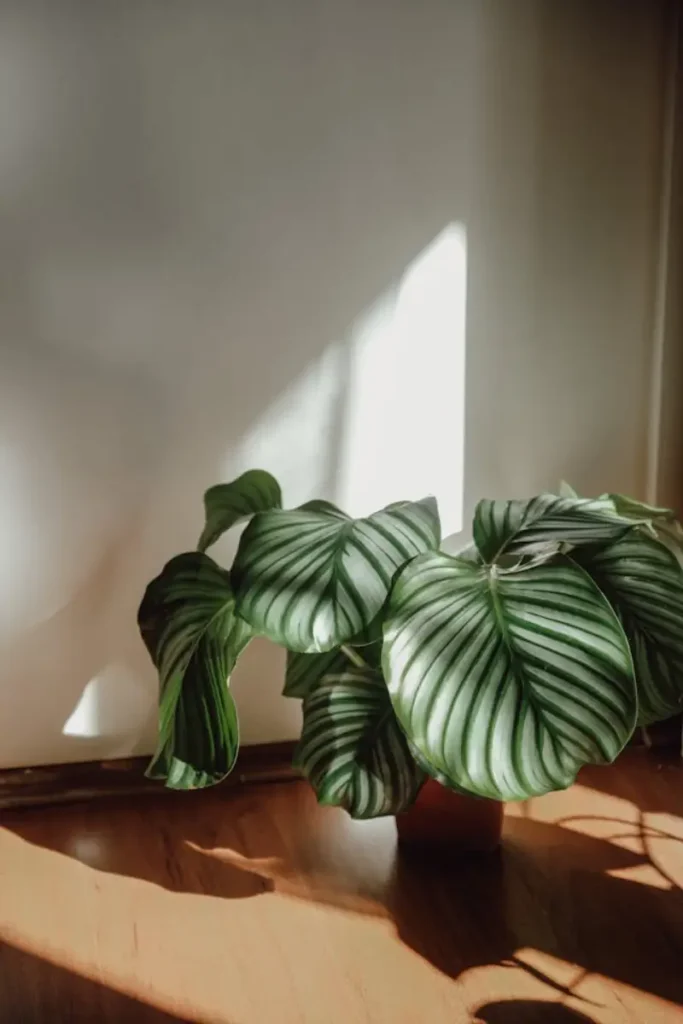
x=352, y=749
x=638, y=510
x=225, y=505
x=545, y=525
x=188, y=623
x=660, y=523
x=429, y=770
x=313, y=579
x=507, y=682
x=305, y=671
x=643, y=582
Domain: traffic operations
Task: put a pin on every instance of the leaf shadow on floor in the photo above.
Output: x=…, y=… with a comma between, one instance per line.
x=528, y=1011
x=551, y=888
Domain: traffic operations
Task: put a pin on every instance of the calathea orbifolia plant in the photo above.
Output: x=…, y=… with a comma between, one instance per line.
x=499, y=671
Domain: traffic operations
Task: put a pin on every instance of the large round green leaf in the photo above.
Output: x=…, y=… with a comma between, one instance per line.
x=643, y=582
x=312, y=578
x=545, y=525
x=352, y=749
x=444, y=780
x=228, y=504
x=187, y=620
x=507, y=683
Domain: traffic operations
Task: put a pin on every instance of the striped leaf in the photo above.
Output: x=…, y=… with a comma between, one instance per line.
x=638, y=510
x=313, y=579
x=429, y=769
x=352, y=750
x=305, y=671
x=188, y=623
x=660, y=523
x=507, y=682
x=545, y=525
x=327, y=507
x=228, y=504
x=644, y=584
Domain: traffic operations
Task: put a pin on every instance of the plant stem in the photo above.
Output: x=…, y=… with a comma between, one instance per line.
x=354, y=657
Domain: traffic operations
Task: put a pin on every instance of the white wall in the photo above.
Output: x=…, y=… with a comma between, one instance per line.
x=203, y=207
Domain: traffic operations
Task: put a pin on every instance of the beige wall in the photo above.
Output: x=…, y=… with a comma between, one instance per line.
x=203, y=207
x=665, y=462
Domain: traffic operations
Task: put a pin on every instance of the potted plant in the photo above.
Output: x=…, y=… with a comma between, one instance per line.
x=434, y=686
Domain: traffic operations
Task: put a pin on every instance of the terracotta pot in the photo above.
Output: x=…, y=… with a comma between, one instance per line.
x=443, y=819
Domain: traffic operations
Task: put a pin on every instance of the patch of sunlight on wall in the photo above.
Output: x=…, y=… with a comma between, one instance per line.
x=111, y=706
x=404, y=428
x=85, y=718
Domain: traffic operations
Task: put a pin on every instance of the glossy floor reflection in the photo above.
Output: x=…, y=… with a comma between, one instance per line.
x=256, y=906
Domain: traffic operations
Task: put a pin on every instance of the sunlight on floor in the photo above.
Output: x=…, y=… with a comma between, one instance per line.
x=585, y=992
x=617, y=836
x=553, y=921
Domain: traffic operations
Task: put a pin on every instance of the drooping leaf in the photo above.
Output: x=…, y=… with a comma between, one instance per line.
x=545, y=525
x=312, y=580
x=352, y=749
x=188, y=623
x=507, y=682
x=228, y=504
x=644, y=584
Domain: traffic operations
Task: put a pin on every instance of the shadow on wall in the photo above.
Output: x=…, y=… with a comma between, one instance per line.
x=198, y=207
x=49, y=668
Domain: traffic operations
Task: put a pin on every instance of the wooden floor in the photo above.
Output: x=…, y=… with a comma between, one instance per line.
x=254, y=906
